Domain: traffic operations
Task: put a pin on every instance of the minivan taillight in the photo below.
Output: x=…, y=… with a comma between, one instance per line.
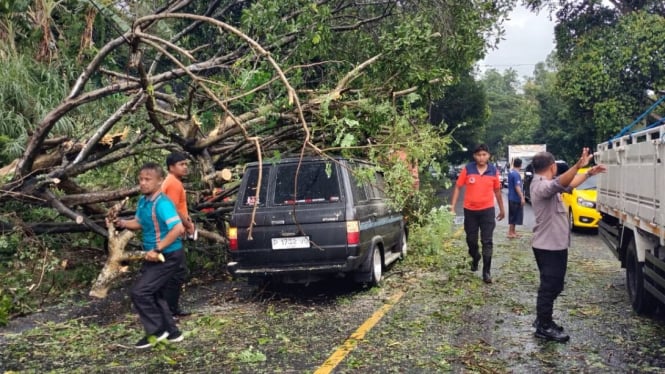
x=232, y=234
x=352, y=232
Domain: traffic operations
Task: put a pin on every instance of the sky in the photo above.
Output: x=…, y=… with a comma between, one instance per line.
x=528, y=40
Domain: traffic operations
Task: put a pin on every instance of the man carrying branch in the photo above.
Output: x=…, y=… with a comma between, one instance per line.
x=162, y=228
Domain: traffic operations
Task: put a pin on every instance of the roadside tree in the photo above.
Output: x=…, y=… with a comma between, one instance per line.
x=609, y=59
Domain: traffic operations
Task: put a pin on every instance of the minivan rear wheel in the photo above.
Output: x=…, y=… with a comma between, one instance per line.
x=377, y=267
x=404, y=246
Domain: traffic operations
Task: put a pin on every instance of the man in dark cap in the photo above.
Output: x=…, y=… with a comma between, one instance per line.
x=551, y=233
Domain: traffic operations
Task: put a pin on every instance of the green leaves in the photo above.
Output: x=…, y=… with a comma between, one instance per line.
x=13, y=6
x=248, y=356
x=346, y=132
x=316, y=39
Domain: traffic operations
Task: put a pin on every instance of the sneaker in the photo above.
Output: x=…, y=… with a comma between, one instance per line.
x=551, y=333
x=150, y=340
x=175, y=336
x=556, y=326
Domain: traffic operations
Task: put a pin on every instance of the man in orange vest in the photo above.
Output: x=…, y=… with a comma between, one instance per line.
x=480, y=181
x=172, y=187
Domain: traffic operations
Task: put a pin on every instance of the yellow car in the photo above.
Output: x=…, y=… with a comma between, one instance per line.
x=581, y=204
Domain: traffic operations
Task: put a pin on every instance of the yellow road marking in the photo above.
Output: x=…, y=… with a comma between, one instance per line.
x=342, y=351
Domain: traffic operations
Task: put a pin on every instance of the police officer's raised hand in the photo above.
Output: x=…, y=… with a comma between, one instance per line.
x=584, y=159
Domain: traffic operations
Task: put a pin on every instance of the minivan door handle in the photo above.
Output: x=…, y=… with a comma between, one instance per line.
x=277, y=222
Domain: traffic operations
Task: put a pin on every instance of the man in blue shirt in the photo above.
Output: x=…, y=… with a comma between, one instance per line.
x=515, y=198
x=162, y=228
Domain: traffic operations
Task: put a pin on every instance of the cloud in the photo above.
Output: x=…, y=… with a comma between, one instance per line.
x=528, y=40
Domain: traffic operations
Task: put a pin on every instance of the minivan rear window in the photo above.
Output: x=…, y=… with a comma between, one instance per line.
x=358, y=189
x=317, y=183
x=249, y=195
x=378, y=187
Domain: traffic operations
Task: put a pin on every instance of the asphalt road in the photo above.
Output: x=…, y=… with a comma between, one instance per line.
x=423, y=319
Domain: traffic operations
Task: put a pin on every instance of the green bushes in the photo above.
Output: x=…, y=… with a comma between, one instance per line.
x=430, y=241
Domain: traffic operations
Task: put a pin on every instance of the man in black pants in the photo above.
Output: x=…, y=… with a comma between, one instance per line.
x=157, y=217
x=481, y=182
x=551, y=234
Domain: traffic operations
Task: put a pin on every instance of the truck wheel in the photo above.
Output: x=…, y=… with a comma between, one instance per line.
x=377, y=267
x=640, y=299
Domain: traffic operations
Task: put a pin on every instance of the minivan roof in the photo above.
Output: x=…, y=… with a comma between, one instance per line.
x=294, y=159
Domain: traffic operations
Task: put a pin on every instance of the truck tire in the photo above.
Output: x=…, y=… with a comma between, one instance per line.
x=640, y=299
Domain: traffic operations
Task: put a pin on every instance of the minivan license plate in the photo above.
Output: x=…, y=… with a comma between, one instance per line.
x=290, y=243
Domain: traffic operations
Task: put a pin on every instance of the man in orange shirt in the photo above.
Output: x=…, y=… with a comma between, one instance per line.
x=481, y=182
x=412, y=166
x=172, y=187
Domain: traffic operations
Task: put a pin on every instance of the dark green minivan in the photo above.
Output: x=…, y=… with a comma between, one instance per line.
x=311, y=219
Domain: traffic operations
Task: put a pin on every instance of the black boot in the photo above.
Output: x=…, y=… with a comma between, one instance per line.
x=474, y=262
x=487, y=264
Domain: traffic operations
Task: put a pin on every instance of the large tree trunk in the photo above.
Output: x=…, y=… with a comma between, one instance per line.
x=114, y=267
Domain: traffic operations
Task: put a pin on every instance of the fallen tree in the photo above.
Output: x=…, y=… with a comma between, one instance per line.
x=226, y=86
